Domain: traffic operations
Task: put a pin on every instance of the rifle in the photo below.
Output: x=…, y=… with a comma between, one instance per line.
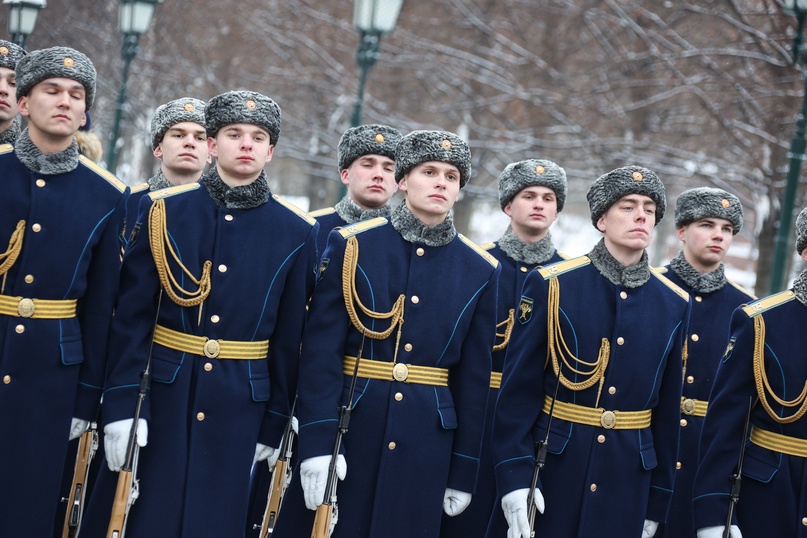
x=326, y=514
x=736, y=478
x=541, y=448
x=128, y=488
x=281, y=478
x=87, y=446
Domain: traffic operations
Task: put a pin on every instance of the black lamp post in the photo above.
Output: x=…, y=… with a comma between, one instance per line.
x=134, y=19
x=796, y=155
x=22, y=15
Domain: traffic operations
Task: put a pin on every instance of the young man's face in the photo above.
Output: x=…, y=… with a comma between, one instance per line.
x=431, y=189
x=628, y=223
x=706, y=242
x=183, y=149
x=370, y=180
x=8, y=97
x=55, y=108
x=532, y=211
x=241, y=151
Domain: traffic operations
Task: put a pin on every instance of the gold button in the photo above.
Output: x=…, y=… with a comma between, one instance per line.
x=6, y=379
x=600, y=438
x=392, y=445
x=36, y=227
x=208, y=367
x=523, y=269
x=415, y=299
x=623, y=294
x=398, y=396
x=593, y=487
x=408, y=347
x=40, y=182
x=804, y=521
x=200, y=416
x=214, y=318
x=695, y=337
x=228, y=218
x=420, y=252
x=683, y=422
x=29, y=279
x=690, y=379
x=620, y=341
x=611, y=390
x=677, y=464
x=698, y=298
x=222, y=268
x=20, y=329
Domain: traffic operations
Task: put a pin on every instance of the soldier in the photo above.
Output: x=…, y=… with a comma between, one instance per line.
x=419, y=309
x=707, y=220
x=179, y=141
x=764, y=364
x=10, y=54
x=60, y=215
x=531, y=193
x=602, y=335
x=225, y=353
x=367, y=167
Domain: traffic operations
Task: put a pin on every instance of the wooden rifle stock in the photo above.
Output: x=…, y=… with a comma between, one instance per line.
x=276, y=492
x=87, y=445
x=322, y=521
x=120, y=508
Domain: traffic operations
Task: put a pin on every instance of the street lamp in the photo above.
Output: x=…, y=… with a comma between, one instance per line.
x=134, y=19
x=796, y=155
x=22, y=16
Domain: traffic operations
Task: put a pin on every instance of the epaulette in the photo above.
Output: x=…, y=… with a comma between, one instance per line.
x=139, y=188
x=487, y=246
x=562, y=255
x=173, y=191
x=772, y=301
x=322, y=212
x=104, y=173
x=6, y=148
x=558, y=268
x=479, y=250
x=363, y=226
x=670, y=284
x=296, y=210
x=662, y=270
x=742, y=289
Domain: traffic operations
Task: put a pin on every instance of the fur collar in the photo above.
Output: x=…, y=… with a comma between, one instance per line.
x=800, y=287
x=700, y=282
x=242, y=197
x=531, y=253
x=10, y=135
x=50, y=164
x=414, y=231
x=352, y=212
x=631, y=277
x=159, y=181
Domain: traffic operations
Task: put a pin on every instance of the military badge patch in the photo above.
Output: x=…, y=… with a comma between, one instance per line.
x=323, y=264
x=729, y=348
x=525, y=310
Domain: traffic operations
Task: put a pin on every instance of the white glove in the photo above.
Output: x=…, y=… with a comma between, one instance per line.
x=77, y=427
x=455, y=501
x=717, y=532
x=649, y=528
x=295, y=425
x=116, y=439
x=314, y=475
x=263, y=452
x=514, y=505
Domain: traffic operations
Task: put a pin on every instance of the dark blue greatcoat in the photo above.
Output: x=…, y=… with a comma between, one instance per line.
x=136, y=194
x=205, y=415
x=485, y=503
x=328, y=219
x=708, y=334
x=52, y=369
x=773, y=497
x=407, y=442
x=596, y=482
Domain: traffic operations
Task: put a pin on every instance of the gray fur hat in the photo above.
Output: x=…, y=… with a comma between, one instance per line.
x=10, y=54
x=367, y=140
x=422, y=146
x=532, y=172
x=173, y=112
x=243, y=106
x=56, y=62
x=610, y=187
x=706, y=202
x=801, y=231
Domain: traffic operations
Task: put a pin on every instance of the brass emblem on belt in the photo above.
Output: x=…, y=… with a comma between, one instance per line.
x=212, y=349
x=26, y=308
x=400, y=372
x=688, y=406
x=608, y=420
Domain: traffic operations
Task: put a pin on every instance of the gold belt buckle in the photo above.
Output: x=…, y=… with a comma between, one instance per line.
x=688, y=406
x=608, y=420
x=26, y=308
x=400, y=372
x=212, y=349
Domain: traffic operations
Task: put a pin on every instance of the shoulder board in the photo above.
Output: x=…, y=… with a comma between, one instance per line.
x=558, y=268
x=661, y=270
x=479, y=250
x=487, y=246
x=562, y=255
x=172, y=191
x=363, y=226
x=103, y=172
x=742, y=289
x=670, y=284
x=322, y=212
x=765, y=304
x=139, y=188
x=296, y=210
x=6, y=148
